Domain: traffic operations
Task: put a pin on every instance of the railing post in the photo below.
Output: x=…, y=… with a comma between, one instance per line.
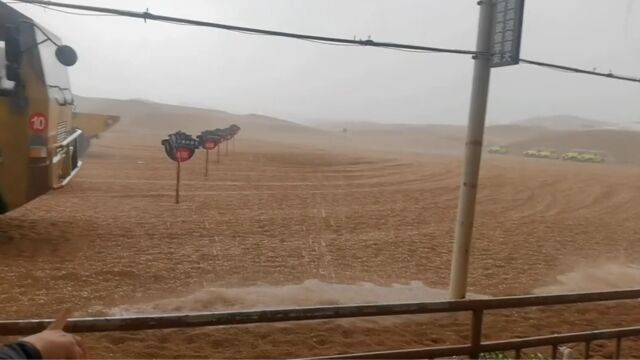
x=618, y=348
x=518, y=354
x=587, y=349
x=476, y=333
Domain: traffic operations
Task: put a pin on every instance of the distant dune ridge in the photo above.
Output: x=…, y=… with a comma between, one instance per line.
x=561, y=132
x=565, y=123
x=144, y=115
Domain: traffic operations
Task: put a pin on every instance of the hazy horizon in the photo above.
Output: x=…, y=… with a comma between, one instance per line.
x=126, y=58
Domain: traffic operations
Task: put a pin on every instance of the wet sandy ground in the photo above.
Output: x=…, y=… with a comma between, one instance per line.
x=274, y=215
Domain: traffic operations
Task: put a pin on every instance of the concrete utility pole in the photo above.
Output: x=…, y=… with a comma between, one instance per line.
x=473, y=153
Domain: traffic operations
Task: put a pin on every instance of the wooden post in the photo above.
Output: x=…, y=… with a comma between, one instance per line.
x=206, y=165
x=218, y=155
x=178, y=182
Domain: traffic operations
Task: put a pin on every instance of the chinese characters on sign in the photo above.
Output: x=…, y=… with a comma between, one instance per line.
x=180, y=146
x=507, y=32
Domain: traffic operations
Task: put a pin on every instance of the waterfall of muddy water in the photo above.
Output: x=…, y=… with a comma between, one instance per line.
x=595, y=277
x=309, y=293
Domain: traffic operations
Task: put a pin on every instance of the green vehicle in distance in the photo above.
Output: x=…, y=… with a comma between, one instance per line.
x=501, y=150
x=584, y=156
x=542, y=154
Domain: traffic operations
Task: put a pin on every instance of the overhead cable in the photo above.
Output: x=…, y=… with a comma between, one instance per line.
x=146, y=15
x=580, y=71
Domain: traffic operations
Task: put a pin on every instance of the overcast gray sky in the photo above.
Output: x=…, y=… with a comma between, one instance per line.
x=126, y=58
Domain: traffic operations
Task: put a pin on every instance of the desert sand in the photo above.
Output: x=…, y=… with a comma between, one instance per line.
x=301, y=216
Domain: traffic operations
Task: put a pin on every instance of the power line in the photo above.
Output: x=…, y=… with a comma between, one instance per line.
x=60, y=11
x=581, y=71
x=146, y=15
x=256, y=34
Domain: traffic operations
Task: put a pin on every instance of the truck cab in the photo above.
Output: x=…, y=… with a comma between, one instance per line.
x=38, y=144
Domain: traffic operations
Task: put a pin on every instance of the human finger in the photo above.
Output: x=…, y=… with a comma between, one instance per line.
x=81, y=344
x=60, y=321
x=76, y=353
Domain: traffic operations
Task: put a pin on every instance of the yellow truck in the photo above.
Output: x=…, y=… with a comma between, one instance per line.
x=39, y=142
x=499, y=149
x=92, y=125
x=542, y=154
x=584, y=156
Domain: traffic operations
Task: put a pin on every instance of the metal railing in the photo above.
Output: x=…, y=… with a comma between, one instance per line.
x=517, y=345
x=475, y=306
x=67, y=150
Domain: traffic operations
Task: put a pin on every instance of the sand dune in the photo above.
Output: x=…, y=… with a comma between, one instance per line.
x=565, y=123
x=148, y=117
x=142, y=116
x=433, y=138
x=505, y=134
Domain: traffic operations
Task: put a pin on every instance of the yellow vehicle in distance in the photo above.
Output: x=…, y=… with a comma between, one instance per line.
x=499, y=149
x=584, y=156
x=542, y=154
x=39, y=146
x=92, y=125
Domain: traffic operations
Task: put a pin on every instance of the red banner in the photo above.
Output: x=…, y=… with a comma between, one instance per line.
x=184, y=153
x=210, y=145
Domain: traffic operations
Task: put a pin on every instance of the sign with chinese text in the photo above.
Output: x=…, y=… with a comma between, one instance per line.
x=180, y=146
x=506, y=33
x=209, y=139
